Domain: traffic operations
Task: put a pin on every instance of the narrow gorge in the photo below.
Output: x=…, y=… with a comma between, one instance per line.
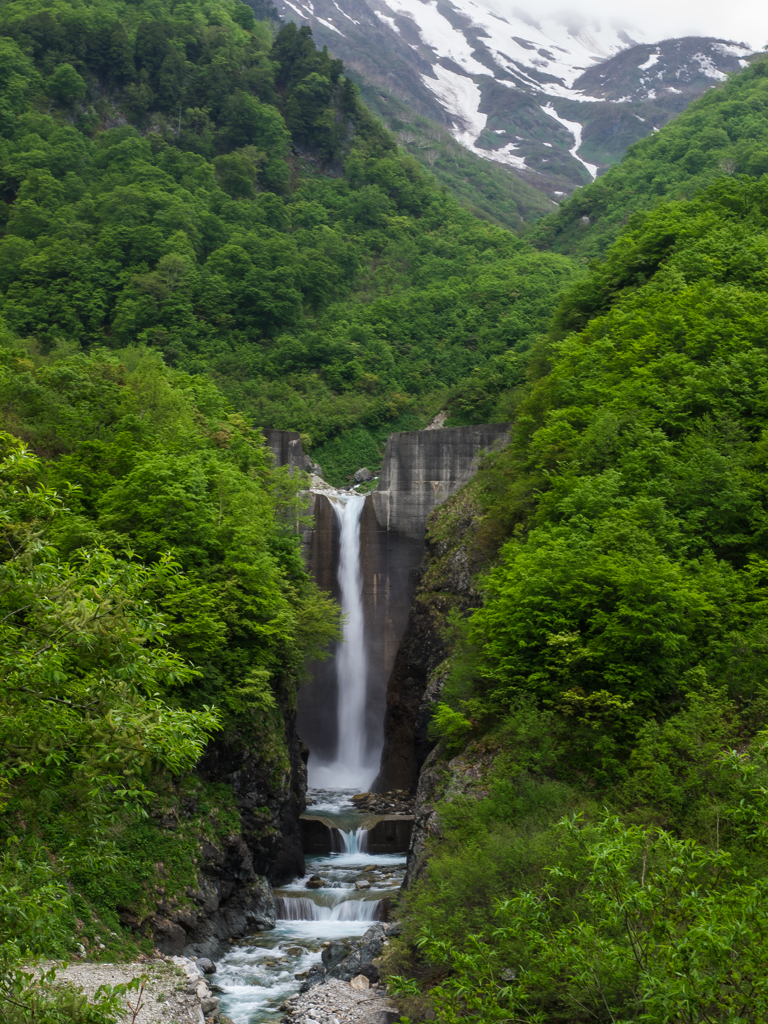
x=366, y=549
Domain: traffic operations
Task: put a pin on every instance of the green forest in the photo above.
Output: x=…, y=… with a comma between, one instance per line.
x=205, y=232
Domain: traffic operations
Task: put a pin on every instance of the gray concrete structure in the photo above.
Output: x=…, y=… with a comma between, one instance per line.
x=421, y=469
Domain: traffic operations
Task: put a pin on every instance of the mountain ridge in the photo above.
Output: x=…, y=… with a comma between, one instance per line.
x=556, y=100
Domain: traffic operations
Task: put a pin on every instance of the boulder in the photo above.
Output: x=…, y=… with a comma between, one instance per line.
x=360, y=960
x=363, y=475
x=334, y=953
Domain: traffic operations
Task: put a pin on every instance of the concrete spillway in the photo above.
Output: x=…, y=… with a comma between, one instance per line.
x=421, y=469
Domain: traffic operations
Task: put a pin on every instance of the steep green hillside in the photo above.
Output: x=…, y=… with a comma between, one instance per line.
x=724, y=133
x=152, y=593
x=174, y=177
x=616, y=672
x=484, y=187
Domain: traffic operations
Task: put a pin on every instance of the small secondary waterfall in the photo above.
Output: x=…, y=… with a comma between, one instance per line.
x=349, y=842
x=300, y=908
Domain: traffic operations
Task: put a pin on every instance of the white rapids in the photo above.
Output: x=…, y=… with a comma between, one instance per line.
x=258, y=974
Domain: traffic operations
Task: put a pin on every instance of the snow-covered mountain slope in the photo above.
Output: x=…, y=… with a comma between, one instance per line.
x=556, y=98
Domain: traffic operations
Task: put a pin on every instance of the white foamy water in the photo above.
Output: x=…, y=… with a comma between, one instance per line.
x=355, y=764
x=258, y=974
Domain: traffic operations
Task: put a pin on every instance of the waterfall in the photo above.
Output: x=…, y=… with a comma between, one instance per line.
x=351, y=662
x=300, y=908
x=351, y=767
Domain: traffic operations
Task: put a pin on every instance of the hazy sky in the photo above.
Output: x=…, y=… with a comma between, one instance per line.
x=740, y=20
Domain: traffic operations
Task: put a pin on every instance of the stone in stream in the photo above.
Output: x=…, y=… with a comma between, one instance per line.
x=315, y=882
x=334, y=953
x=359, y=961
x=206, y=966
x=364, y=884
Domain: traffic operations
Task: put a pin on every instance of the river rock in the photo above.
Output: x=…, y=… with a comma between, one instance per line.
x=363, y=884
x=315, y=882
x=363, y=475
x=334, y=953
x=360, y=960
x=360, y=983
x=206, y=966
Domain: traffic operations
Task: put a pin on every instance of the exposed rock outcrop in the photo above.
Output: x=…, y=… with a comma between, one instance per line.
x=442, y=779
x=455, y=551
x=287, y=449
x=270, y=798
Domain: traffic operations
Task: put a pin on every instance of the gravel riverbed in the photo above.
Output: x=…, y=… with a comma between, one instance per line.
x=170, y=995
x=341, y=1002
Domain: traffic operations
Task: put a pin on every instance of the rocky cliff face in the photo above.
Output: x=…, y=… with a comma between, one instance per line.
x=454, y=553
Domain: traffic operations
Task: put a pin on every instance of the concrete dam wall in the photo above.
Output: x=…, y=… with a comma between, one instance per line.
x=421, y=470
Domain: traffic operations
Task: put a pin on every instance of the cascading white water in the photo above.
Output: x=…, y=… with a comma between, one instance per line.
x=299, y=908
x=351, y=766
x=351, y=660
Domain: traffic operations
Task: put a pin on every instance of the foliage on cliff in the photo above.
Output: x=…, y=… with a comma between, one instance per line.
x=173, y=176
x=151, y=591
x=723, y=133
x=619, y=658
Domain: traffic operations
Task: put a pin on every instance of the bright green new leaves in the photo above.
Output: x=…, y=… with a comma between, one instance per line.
x=251, y=220
x=83, y=665
x=636, y=925
x=636, y=474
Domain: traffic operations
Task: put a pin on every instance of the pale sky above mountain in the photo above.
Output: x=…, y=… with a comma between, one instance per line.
x=740, y=20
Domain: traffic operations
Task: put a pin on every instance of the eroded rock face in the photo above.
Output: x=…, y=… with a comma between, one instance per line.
x=454, y=553
x=230, y=900
x=442, y=779
x=270, y=800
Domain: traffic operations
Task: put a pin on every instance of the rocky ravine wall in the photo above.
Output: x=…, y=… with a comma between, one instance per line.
x=456, y=551
x=421, y=470
x=232, y=896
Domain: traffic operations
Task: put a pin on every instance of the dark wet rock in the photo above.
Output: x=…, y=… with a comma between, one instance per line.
x=206, y=966
x=397, y=801
x=334, y=953
x=315, y=882
x=359, y=961
x=315, y=976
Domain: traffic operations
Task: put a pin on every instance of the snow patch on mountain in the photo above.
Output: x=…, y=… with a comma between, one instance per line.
x=575, y=129
x=461, y=96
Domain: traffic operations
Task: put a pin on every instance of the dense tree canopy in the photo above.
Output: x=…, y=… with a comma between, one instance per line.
x=174, y=178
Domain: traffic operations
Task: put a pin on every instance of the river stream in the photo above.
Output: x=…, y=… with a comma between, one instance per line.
x=260, y=972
